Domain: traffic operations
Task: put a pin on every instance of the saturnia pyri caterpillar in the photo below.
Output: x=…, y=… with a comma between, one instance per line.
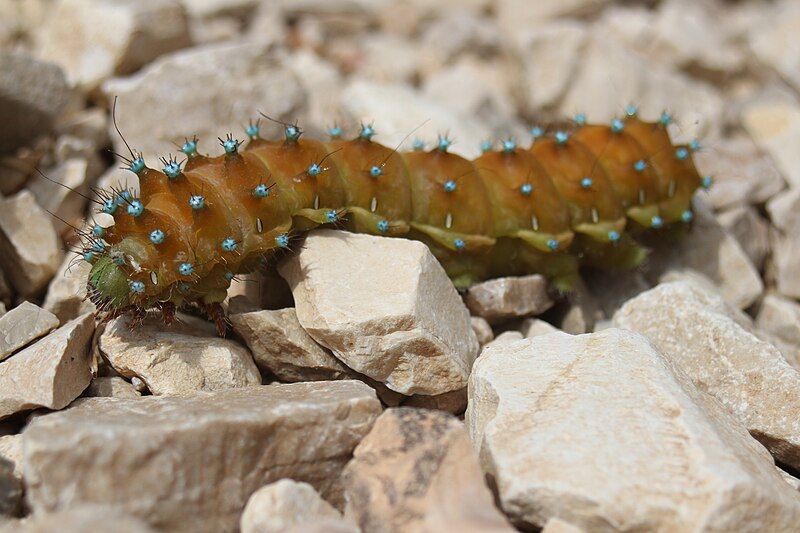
x=585, y=195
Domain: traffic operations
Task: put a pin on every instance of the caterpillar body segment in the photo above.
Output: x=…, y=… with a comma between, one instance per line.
x=585, y=196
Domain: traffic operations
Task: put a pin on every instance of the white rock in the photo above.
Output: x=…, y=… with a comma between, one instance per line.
x=774, y=125
x=68, y=204
x=697, y=332
x=786, y=260
x=23, y=324
x=400, y=322
x=282, y=347
x=784, y=210
x=30, y=249
x=501, y=299
x=50, y=373
x=322, y=84
x=66, y=294
x=548, y=56
x=397, y=110
x=95, y=40
x=609, y=75
x=283, y=504
x=459, y=32
x=750, y=231
x=177, y=360
x=772, y=40
x=483, y=331
x=519, y=16
x=483, y=93
x=600, y=431
x=190, y=92
x=742, y=173
x=713, y=252
x=780, y=316
x=388, y=59
x=111, y=387
x=417, y=471
x=190, y=463
x=533, y=327
x=790, y=479
x=32, y=94
x=506, y=337
x=689, y=35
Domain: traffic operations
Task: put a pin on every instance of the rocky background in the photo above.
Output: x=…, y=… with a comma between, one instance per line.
x=400, y=405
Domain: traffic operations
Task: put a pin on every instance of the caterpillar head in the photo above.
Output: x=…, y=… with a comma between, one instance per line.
x=109, y=284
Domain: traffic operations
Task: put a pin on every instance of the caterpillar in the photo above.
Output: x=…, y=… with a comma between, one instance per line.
x=586, y=194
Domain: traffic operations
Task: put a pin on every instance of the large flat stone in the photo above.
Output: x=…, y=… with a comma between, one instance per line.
x=177, y=359
x=600, y=431
x=190, y=463
x=698, y=332
x=398, y=321
x=23, y=324
x=417, y=471
x=50, y=373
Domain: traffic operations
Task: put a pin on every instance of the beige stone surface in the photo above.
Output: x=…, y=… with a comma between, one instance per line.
x=399, y=322
x=30, y=250
x=95, y=40
x=66, y=294
x=599, y=430
x=696, y=331
x=111, y=387
x=23, y=324
x=81, y=519
x=176, y=360
x=416, y=471
x=774, y=125
x=743, y=174
x=556, y=525
x=189, y=93
x=750, y=230
x=780, y=316
x=282, y=347
x=50, y=373
x=712, y=251
x=502, y=299
x=190, y=463
x=771, y=38
x=786, y=261
x=283, y=504
x=533, y=327
x=483, y=331
x=398, y=109
x=784, y=209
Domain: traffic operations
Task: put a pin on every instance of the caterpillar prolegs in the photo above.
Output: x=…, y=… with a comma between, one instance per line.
x=584, y=195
